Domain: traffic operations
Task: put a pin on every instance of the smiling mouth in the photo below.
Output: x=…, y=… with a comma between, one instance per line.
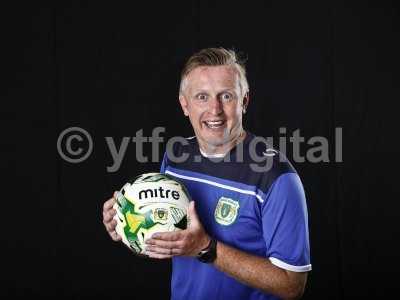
x=215, y=124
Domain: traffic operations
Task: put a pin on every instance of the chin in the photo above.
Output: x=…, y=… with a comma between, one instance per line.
x=216, y=141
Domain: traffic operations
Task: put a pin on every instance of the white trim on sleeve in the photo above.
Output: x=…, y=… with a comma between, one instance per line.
x=283, y=265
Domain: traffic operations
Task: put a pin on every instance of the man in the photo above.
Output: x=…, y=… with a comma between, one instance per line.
x=248, y=234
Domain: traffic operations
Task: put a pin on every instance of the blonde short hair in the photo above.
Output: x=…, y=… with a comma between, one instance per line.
x=215, y=57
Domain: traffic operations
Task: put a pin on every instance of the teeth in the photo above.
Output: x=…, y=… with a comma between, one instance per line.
x=214, y=124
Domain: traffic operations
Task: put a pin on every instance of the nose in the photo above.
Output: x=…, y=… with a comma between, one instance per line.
x=215, y=106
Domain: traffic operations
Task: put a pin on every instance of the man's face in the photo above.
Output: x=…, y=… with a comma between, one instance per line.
x=213, y=100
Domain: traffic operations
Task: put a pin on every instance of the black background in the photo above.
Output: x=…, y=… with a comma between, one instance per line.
x=113, y=69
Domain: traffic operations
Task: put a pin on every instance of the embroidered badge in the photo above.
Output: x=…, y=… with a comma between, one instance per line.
x=226, y=211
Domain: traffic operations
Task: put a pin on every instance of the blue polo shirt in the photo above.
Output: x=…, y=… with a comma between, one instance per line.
x=253, y=200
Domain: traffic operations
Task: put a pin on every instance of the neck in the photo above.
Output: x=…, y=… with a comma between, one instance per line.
x=208, y=150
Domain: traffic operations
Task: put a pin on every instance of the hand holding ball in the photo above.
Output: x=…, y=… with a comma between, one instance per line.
x=152, y=202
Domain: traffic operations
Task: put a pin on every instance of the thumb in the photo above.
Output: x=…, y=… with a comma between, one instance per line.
x=192, y=215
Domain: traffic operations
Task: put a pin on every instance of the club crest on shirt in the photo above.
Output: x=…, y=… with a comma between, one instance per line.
x=226, y=211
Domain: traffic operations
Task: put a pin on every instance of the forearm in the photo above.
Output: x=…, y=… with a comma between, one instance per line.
x=259, y=272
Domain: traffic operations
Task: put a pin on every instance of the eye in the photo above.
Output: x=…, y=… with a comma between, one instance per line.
x=201, y=97
x=226, y=97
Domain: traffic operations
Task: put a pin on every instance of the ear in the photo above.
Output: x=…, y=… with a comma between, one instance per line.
x=184, y=104
x=245, y=102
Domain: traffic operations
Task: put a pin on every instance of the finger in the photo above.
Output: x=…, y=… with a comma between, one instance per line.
x=168, y=236
x=109, y=204
x=157, y=255
x=166, y=251
x=115, y=237
x=191, y=207
x=163, y=251
x=192, y=214
x=165, y=244
x=109, y=215
x=110, y=226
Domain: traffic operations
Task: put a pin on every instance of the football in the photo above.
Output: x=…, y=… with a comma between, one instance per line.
x=151, y=202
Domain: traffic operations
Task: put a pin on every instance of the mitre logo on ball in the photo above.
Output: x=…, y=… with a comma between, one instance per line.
x=160, y=192
x=150, y=203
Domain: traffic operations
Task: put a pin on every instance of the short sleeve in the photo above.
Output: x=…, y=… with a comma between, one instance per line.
x=163, y=164
x=285, y=224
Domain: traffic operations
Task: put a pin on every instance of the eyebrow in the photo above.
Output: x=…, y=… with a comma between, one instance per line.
x=206, y=92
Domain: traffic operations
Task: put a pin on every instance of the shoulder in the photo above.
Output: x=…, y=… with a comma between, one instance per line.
x=266, y=163
x=181, y=149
